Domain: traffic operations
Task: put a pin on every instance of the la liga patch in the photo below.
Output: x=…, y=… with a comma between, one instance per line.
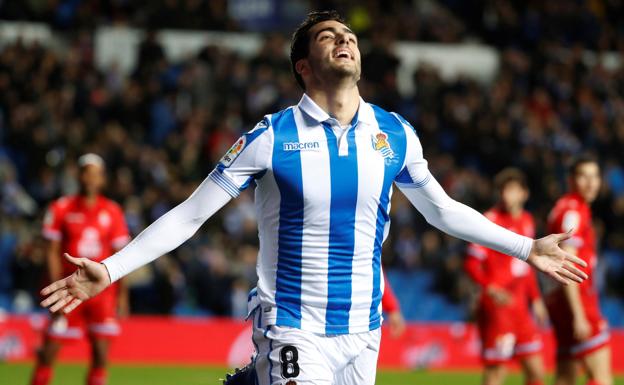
x=234, y=152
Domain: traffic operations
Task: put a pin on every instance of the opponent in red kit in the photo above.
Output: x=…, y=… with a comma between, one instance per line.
x=91, y=226
x=582, y=334
x=508, y=291
x=392, y=309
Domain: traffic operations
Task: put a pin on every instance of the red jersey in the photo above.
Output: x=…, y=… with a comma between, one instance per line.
x=92, y=232
x=572, y=212
x=486, y=266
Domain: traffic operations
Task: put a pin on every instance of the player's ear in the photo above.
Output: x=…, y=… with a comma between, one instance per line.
x=302, y=67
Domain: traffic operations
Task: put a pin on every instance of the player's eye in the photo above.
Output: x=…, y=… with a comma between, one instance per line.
x=326, y=36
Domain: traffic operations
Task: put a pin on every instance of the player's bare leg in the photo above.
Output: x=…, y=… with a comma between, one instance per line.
x=46, y=356
x=566, y=372
x=598, y=367
x=494, y=374
x=99, y=361
x=533, y=369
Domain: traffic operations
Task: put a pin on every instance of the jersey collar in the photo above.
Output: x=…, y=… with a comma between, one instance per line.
x=364, y=114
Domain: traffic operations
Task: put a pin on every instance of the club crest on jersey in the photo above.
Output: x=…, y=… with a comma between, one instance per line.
x=234, y=152
x=382, y=145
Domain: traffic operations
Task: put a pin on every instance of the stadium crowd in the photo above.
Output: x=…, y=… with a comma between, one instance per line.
x=162, y=129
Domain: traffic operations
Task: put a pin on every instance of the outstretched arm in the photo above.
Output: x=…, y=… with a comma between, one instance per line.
x=463, y=222
x=162, y=236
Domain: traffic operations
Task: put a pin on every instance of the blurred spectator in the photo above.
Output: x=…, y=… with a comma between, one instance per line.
x=162, y=129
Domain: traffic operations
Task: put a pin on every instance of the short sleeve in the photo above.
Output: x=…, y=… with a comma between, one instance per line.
x=246, y=160
x=119, y=229
x=571, y=219
x=52, y=221
x=477, y=251
x=414, y=173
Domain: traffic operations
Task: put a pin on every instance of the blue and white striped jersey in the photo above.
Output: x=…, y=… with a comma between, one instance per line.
x=323, y=203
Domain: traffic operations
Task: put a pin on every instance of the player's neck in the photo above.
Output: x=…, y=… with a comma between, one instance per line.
x=514, y=212
x=339, y=102
x=89, y=199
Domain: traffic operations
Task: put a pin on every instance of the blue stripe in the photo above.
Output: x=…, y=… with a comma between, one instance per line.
x=224, y=182
x=252, y=293
x=287, y=173
x=344, y=191
x=404, y=179
x=396, y=137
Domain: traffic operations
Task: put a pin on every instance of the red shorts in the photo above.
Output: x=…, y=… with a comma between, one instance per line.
x=507, y=334
x=97, y=316
x=561, y=318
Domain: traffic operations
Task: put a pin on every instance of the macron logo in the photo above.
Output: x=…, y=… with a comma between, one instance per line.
x=299, y=146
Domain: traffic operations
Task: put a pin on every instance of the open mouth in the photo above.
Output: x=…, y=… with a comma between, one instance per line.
x=343, y=54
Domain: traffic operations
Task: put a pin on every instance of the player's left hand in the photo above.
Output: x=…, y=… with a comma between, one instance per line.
x=396, y=322
x=547, y=257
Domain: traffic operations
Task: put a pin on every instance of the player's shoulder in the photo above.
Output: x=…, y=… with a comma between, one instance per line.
x=493, y=214
x=110, y=205
x=527, y=217
x=391, y=121
x=278, y=121
x=570, y=202
x=63, y=203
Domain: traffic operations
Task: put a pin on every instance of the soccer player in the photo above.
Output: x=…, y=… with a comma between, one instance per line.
x=90, y=226
x=324, y=171
x=581, y=333
x=391, y=307
x=508, y=290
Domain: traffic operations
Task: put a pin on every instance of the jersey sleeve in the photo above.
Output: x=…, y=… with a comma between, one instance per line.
x=414, y=173
x=52, y=221
x=570, y=219
x=473, y=264
x=246, y=160
x=119, y=229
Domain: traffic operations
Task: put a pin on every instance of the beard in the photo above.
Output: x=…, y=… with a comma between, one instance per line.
x=330, y=70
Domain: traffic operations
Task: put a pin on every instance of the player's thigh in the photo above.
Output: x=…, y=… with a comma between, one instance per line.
x=360, y=371
x=287, y=356
x=100, y=315
x=598, y=365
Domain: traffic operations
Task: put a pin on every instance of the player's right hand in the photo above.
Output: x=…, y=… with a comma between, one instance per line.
x=498, y=295
x=89, y=279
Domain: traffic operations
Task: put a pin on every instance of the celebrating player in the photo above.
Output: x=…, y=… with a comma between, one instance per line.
x=582, y=334
x=89, y=226
x=324, y=171
x=508, y=290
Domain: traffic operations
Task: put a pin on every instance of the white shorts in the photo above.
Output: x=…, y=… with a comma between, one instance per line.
x=289, y=356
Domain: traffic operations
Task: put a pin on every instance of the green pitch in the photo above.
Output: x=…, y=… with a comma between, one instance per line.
x=193, y=375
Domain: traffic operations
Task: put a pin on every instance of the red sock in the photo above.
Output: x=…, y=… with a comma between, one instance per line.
x=593, y=382
x=41, y=375
x=536, y=382
x=97, y=376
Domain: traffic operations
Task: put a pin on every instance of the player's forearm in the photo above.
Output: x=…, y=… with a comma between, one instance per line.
x=463, y=222
x=169, y=231
x=54, y=261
